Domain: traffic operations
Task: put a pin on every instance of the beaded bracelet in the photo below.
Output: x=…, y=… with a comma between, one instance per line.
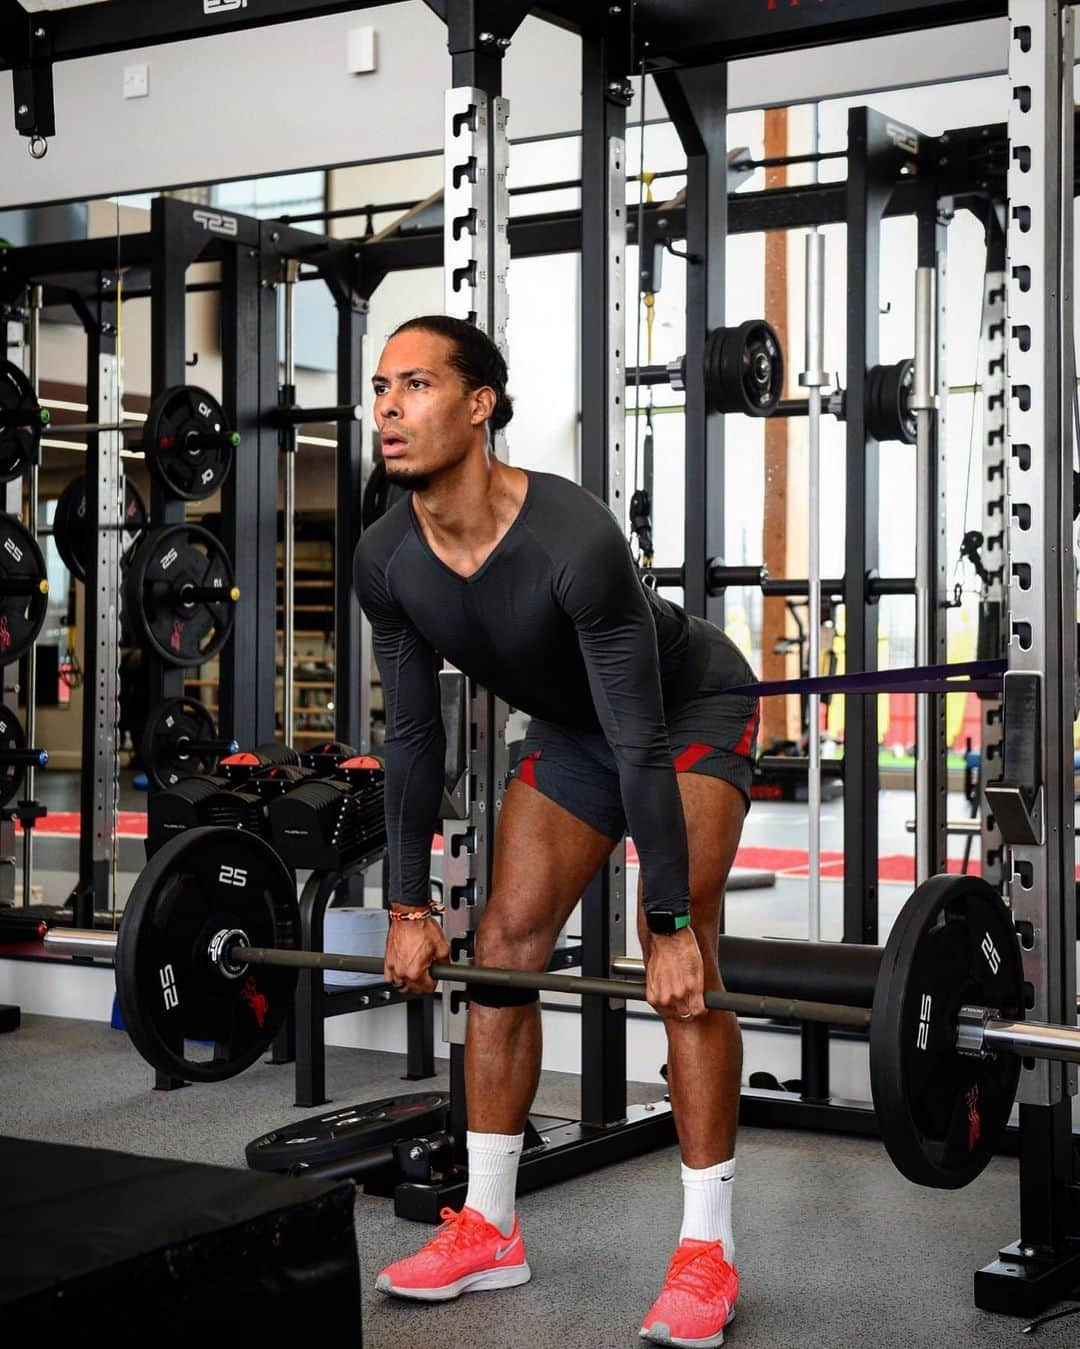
x=429, y=912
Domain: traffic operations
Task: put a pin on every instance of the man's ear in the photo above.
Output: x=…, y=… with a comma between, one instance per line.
x=483, y=404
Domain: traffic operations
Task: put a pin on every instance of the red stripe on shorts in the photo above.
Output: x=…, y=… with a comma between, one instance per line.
x=743, y=747
x=690, y=756
x=527, y=768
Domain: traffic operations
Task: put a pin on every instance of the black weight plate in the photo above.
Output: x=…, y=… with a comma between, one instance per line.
x=174, y=418
x=888, y=394
x=69, y=525
x=379, y=495
x=18, y=444
x=175, y=1000
x=744, y=369
x=12, y=736
x=21, y=616
x=344, y=1133
x=942, y=1113
x=179, y=634
x=173, y=724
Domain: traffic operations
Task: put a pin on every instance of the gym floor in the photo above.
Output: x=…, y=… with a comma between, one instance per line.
x=834, y=1246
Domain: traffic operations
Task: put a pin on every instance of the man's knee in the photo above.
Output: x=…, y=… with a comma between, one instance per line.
x=505, y=940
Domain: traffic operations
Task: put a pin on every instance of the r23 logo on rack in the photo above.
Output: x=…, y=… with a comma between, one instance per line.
x=216, y=223
x=222, y=6
x=233, y=876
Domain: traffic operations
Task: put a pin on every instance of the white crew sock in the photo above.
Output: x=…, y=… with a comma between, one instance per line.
x=493, y=1168
x=707, y=1204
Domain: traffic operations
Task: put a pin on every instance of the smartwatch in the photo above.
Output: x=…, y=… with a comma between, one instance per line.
x=664, y=920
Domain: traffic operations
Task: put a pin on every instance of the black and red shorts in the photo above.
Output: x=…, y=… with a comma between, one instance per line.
x=711, y=732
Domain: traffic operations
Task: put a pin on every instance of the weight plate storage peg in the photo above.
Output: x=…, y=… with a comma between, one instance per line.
x=70, y=532
x=188, y=442
x=744, y=369
x=22, y=420
x=181, y=595
x=24, y=589
x=190, y=1014
x=942, y=1112
x=181, y=741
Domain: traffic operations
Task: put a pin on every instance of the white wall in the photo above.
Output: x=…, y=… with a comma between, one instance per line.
x=277, y=99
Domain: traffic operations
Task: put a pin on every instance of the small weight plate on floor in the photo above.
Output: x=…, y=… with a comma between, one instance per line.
x=175, y=998
x=12, y=736
x=888, y=395
x=21, y=564
x=70, y=533
x=942, y=1113
x=19, y=445
x=168, y=559
x=346, y=1132
x=177, y=418
x=173, y=724
x=744, y=369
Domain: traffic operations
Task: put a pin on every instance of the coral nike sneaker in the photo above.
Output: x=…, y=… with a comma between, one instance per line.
x=466, y=1255
x=697, y=1301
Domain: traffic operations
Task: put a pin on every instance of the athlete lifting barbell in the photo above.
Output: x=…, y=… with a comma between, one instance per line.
x=526, y=583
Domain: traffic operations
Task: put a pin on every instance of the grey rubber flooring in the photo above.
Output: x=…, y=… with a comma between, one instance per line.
x=835, y=1249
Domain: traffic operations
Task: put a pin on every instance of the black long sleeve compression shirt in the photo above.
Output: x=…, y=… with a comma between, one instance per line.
x=556, y=623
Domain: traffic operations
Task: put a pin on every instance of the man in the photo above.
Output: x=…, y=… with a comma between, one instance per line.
x=525, y=582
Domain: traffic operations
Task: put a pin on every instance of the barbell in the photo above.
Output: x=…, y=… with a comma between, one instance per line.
x=207, y=957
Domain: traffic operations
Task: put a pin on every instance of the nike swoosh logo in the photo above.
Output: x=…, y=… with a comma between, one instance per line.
x=503, y=1252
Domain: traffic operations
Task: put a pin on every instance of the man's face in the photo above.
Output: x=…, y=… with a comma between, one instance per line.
x=427, y=421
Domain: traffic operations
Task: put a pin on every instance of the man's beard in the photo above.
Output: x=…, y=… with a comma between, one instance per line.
x=405, y=478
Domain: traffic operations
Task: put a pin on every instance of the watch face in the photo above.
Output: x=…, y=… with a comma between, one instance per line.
x=660, y=920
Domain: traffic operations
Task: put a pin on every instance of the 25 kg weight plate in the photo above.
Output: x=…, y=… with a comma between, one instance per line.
x=188, y=442
x=941, y=1113
x=172, y=991
x=167, y=565
x=346, y=1132
x=24, y=590
x=70, y=532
